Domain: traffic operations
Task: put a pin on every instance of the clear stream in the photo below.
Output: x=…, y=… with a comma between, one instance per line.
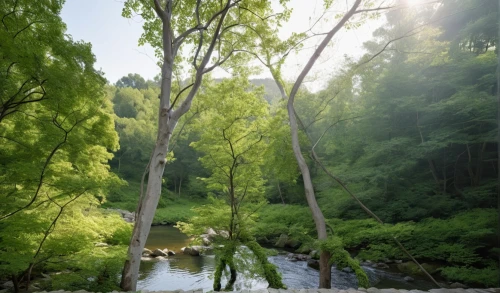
x=195, y=272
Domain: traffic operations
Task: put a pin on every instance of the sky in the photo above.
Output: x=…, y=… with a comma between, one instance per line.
x=115, y=40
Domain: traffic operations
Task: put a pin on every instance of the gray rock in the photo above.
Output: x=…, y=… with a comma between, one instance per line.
x=381, y=265
x=193, y=250
x=7, y=285
x=210, y=232
x=170, y=253
x=372, y=290
x=312, y=263
x=206, y=241
x=147, y=251
x=398, y=261
x=457, y=285
x=158, y=252
x=224, y=234
x=347, y=270
x=408, y=279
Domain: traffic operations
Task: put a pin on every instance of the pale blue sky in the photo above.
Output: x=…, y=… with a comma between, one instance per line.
x=114, y=39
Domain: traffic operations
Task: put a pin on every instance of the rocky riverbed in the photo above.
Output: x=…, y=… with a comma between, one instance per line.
x=351, y=290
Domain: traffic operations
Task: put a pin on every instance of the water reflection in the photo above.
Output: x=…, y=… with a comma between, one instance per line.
x=190, y=272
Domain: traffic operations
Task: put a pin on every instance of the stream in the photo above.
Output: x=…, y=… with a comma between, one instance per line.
x=195, y=272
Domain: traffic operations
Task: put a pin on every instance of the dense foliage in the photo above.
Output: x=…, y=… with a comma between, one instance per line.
x=410, y=128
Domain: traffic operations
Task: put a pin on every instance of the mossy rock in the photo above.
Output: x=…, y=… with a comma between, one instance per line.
x=411, y=268
x=281, y=241
x=305, y=249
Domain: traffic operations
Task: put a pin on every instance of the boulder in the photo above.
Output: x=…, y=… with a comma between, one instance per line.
x=7, y=285
x=205, y=240
x=281, y=241
x=146, y=251
x=381, y=265
x=165, y=250
x=312, y=263
x=193, y=250
x=408, y=279
x=298, y=256
x=158, y=252
x=170, y=253
x=292, y=243
x=224, y=234
x=210, y=232
x=457, y=285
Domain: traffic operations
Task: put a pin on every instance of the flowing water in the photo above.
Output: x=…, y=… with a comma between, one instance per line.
x=195, y=272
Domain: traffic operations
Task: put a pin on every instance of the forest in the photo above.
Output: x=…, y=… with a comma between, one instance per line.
x=396, y=157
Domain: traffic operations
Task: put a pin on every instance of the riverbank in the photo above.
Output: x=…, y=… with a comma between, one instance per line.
x=351, y=290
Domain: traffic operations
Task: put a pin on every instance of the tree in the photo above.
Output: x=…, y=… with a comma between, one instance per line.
x=56, y=139
x=216, y=32
x=272, y=47
x=233, y=150
x=134, y=81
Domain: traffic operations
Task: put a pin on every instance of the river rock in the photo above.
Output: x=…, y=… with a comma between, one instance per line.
x=408, y=279
x=457, y=285
x=205, y=240
x=224, y=234
x=126, y=215
x=347, y=270
x=146, y=251
x=313, y=263
x=381, y=265
x=171, y=253
x=7, y=285
x=298, y=256
x=193, y=250
x=158, y=252
x=210, y=232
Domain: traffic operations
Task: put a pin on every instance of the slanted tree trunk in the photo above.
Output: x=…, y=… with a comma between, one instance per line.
x=167, y=120
x=319, y=219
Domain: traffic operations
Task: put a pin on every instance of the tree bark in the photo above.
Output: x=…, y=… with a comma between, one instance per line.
x=325, y=271
x=319, y=220
x=147, y=205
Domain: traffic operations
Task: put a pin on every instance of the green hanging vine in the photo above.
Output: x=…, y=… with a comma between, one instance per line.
x=224, y=256
x=341, y=258
x=273, y=277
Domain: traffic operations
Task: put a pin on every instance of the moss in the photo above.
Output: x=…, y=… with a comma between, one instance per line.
x=341, y=258
x=271, y=274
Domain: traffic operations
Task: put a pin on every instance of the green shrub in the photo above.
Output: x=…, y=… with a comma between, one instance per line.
x=484, y=277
